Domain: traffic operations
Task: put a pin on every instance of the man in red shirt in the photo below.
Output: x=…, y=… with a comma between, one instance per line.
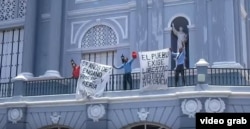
x=75, y=69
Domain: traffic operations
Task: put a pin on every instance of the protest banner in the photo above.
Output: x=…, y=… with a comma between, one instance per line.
x=154, y=69
x=93, y=79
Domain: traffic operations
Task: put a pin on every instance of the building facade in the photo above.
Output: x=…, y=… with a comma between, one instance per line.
x=38, y=38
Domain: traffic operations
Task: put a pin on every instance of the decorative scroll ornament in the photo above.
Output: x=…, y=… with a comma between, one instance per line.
x=190, y=107
x=143, y=114
x=55, y=117
x=95, y=112
x=14, y=115
x=214, y=105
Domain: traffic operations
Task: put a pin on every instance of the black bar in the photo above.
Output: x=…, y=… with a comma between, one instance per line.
x=18, y=51
x=1, y=65
x=11, y=54
x=223, y=120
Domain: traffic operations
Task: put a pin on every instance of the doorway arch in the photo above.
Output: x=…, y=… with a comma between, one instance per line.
x=180, y=21
x=56, y=127
x=146, y=125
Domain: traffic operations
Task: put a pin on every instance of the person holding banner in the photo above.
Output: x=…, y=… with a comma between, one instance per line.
x=75, y=69
x=180, y=62
x=126, y=65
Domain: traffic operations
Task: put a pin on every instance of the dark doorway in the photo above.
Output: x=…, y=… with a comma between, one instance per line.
x=180, y=22
x=147, y=126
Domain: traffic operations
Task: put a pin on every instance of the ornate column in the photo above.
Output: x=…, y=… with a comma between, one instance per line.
x=201, y=35
x=156, y=41
x=54, y=46
x=167, y=39
x=141, y=24
x=193, y=50
x=243, y=32
x=247, y=5
x=29, y=40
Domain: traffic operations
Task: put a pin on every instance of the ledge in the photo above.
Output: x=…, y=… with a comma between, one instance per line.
x=12, y=23
x=128, y=96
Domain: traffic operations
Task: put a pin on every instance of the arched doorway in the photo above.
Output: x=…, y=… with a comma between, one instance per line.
x=100, y=38
x=55, y=127
x=180, y=22
x=146, y=125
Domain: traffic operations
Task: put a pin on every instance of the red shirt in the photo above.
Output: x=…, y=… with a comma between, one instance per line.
x=76, y=72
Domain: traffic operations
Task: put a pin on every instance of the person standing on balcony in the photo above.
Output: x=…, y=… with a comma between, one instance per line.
x=75, y=69
x=180, y=63
x=126, y=65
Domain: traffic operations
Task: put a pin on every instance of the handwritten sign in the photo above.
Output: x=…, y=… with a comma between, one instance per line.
x=154, y=69
x=93, y=79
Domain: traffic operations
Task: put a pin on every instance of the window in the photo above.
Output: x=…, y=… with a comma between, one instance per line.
x=99, y=36
x=11, y=49
x=55, y=127
x=12, y=9
x=96, y=37
x=106, y=58
x=146, y=126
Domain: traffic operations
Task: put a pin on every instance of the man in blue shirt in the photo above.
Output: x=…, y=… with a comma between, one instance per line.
x=127, y=72
x=180, y=62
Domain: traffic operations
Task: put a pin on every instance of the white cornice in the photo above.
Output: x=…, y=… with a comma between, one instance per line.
x=84, y=1
x=45, y=16
x=27, y=101
x=12, y=23
x=98, y=49
x=177, y=2
x=102, y=9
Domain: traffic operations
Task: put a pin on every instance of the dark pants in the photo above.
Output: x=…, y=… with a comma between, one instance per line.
x=127, y=78
x=179, y=69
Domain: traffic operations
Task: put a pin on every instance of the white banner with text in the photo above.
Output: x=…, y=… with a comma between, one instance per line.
x=93, y=79
x=154, y=69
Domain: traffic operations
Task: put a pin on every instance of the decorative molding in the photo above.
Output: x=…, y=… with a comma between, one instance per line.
x=167, y=29
x=51, y=73
x=178, y=15
x=177, y=2
x=25, y=76
x=45, y=16
x=190, y=107
x=15, y=114
x=99, y=49
x=238, y=92
x=76, y=26
x=12, y=23
x=191, y=26
x=55, y=117
x=84, y=1
x=102, y=9
x=202, y=62
x=95, y=112
x=99, y=22
x=124, y=29
x=214, y=105
x=142, y=114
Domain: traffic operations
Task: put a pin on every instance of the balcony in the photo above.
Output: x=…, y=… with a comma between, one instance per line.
x=215, y=77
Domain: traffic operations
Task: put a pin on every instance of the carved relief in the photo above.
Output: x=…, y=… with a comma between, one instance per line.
x=55, y=117
x=190, y=107
x=214, y=105
x=142, y=114
x=14, y=115
x=95, y=112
